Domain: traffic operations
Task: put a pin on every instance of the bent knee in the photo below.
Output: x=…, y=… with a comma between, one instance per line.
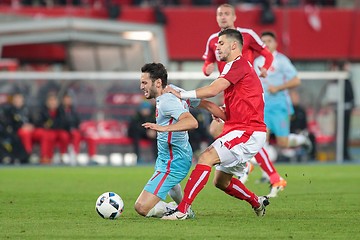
x=220, y=185
x=141, y=209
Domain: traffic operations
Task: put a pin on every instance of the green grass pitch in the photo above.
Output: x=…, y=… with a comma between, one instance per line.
x=320, y=202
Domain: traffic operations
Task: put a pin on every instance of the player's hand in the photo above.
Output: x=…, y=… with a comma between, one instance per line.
x=209, y=69
x=153, y=126
x=169, y=89
x=272, y=89
x=217, y=119
x=263, y=72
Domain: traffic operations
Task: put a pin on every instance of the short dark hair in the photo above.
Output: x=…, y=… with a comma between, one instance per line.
x=156, y=70
x=269, y=33
x=232, y=33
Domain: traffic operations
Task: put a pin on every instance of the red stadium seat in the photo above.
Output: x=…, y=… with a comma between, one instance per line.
x=106, y=132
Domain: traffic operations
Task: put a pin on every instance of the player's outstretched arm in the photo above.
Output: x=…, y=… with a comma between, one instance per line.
x=216, y=87
x=186, y=122
x=294, y=82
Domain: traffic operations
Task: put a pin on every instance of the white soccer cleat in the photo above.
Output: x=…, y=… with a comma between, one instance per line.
x=276, y=188
x=264, y=201
x=175, y=215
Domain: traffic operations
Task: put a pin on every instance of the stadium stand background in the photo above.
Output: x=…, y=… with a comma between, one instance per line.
x=312, y=33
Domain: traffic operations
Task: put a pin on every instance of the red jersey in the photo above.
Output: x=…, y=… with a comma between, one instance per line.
x=244, y=98
x=252, y=43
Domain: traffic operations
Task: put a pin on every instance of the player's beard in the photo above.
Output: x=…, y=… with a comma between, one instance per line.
x=152, y=91
x=223, y=57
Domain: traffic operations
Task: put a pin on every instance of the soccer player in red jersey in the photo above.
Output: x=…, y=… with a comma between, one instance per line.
x=225, y=17
x=244, y=132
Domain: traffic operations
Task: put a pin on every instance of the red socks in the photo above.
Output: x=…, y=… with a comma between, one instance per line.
x=266, y=165
x=237, y=189
x=197, y=181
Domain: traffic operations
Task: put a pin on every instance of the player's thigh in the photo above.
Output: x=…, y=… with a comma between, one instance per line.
x=209, y=157
x=161, y=182
x=237, y=170
x=216, y=128
x=236, y=148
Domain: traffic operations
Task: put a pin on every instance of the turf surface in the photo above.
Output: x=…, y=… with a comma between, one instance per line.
x=321, y=201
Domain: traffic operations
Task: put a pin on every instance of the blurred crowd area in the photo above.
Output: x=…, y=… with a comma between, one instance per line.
x=81, y=122
x=105, y=3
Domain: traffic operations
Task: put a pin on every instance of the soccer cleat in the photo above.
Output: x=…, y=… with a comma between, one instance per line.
x=171, y=206
x=276, y=188
x=248, y=169
x=190, y=213
x=264, y=201
x=175, y=215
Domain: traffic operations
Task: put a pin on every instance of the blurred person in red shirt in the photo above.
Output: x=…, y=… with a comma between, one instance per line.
x=50, y=130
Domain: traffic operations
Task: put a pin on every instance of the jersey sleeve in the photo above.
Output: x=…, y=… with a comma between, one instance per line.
x=172, y=106
x=255, y=42
x=209, y=54
x=191, y=102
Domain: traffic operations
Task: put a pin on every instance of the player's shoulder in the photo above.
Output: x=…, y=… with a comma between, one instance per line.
x=242, y=61
x=213, y=36
x=179, y=89
x=239, y=63
x=281, y=56
x=166, y=97
x=170, y=100
x=247, y=31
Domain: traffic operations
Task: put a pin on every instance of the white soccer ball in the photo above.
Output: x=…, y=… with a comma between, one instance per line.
x=109, y=205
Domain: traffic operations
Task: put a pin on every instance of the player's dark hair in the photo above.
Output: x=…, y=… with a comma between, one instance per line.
x=232, y=33
x=156, y=71
x=269, y=33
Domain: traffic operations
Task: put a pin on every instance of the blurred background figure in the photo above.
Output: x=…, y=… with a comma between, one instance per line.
x=20, y=121
x=71, y=125
x=11, y=148
x=299, y=125
x=50, y=131
x=145, y=113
